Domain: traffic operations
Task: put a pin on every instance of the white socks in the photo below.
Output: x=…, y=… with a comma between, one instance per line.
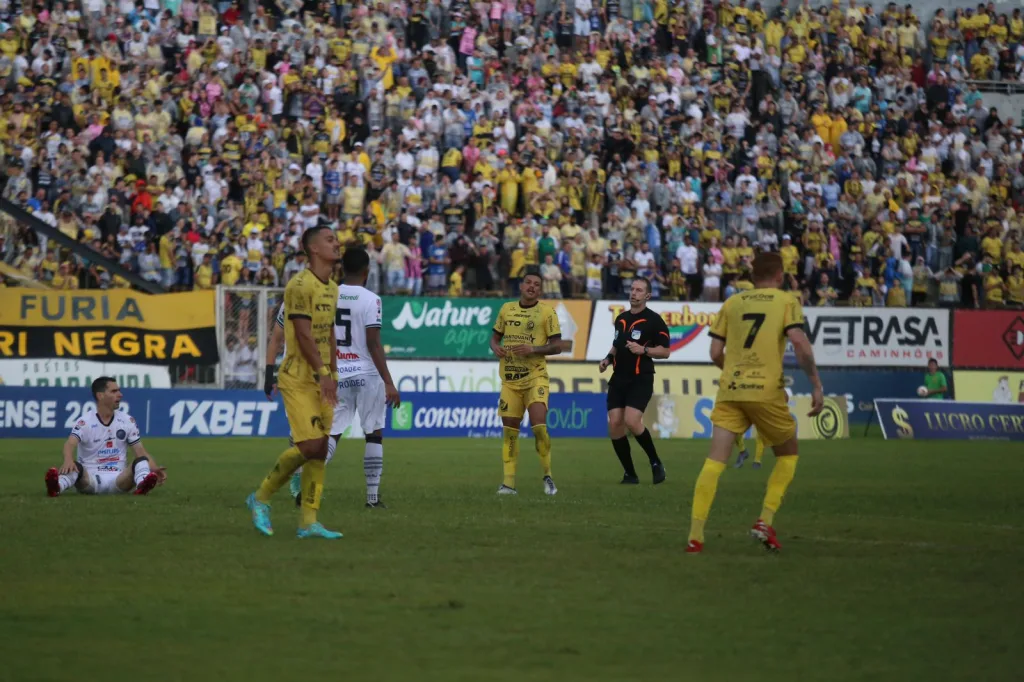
x=373, y=467
x=141, y=470
x=67, y=480
x=332, y=445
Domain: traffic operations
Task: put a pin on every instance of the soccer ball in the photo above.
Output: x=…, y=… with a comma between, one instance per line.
x=922, y=391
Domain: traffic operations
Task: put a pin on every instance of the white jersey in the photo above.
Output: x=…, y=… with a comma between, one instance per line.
x=359, y=309
x=104, y=447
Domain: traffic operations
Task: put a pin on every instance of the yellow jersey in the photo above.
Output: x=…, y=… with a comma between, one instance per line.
x=753, y=325
x=307, y=297
x=536, y=325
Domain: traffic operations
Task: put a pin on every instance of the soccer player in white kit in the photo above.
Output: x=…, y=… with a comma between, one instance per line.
x=96, y=452
x=365, y=387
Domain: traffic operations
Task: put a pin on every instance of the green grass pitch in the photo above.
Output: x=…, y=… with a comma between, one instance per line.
x=902, y=561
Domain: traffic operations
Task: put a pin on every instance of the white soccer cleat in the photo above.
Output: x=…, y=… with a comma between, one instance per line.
x=505, y=490
x=549, y=486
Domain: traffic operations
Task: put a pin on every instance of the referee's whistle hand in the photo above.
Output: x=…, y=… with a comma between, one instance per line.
x=604, y=365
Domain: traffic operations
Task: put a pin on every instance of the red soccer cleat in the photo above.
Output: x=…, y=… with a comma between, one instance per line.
x=694, y=547
x=52, y=482
x=147, y=484
x=765, y=534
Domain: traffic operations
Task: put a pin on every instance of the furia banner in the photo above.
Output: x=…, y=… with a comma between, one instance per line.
x=949, y=420
x=108, y=326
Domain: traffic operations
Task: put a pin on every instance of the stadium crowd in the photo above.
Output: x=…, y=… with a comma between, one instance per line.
x=463, y=141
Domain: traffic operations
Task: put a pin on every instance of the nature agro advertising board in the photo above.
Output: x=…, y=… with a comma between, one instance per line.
x=878, y=337
x=438, y=328
x=688, y=327
x=461, y=328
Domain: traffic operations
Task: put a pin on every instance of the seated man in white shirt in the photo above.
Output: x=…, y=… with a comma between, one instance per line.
x=95, y=454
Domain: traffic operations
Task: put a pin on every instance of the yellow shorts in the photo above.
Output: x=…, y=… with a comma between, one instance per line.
x=308, y=418
x=514, y=401
x=775, y=425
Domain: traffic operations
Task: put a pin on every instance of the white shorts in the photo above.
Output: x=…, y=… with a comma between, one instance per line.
x=363, y=397
x=97, y=481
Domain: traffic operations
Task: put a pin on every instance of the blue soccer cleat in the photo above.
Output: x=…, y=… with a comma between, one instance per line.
x=316, y=530
x=260, y=514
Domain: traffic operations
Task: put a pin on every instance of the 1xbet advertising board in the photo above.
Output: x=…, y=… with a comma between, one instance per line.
x=861, y=337
x=988, y=339
x=51, y=412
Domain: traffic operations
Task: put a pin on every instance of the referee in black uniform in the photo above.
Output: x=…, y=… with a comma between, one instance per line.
x=641, y=336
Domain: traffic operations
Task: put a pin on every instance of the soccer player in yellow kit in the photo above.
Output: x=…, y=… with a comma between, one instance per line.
x=525, y=333
x=748, y=340
x=308, y=382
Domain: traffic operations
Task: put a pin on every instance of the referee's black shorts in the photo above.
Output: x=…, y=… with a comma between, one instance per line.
x=635, y=392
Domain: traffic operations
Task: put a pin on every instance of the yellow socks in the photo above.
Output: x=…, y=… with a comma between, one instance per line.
x=509, y=455
x=782, y=476
x=543, y=443
x=290, y=460
x=759, y=449
x=312, y=487
x=703, y=496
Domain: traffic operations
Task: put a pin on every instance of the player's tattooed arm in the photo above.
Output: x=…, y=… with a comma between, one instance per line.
x=496, y=346
x=376, y=348
x=805, y=358
x=552, y=347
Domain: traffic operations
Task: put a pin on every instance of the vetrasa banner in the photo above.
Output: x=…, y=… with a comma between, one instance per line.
x=52, y=412
x=108, y=326
x=950, y=420
x=878, y=337
x=673, y=416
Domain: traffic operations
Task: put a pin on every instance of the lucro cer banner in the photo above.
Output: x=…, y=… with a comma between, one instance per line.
x=108, y=326
x=949, y=420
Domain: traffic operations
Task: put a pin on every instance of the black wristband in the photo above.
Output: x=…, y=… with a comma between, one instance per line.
x=268, y=380
x=610, y=357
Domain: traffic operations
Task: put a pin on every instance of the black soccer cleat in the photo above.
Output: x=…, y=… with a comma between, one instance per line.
x=658, y=471
x=629, y=480
x=379, y=504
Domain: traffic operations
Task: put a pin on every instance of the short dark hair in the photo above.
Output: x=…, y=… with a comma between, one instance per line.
x=310, y=234
x=99, y=385
x=933, y=361
x=532, y=271
x=355, y=261
x=646, y=281
x=766, y=265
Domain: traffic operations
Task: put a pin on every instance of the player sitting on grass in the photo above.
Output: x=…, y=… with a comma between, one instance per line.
x=96, y=452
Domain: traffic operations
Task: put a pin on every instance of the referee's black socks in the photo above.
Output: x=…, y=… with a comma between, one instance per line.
x=647, y=443
x=621, y=446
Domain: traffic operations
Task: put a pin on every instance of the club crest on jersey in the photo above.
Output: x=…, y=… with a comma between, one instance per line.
x=635, y=334
x=530, y=325
x=121, y=435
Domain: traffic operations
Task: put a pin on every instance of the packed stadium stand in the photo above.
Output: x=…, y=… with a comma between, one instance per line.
x=171, y=145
